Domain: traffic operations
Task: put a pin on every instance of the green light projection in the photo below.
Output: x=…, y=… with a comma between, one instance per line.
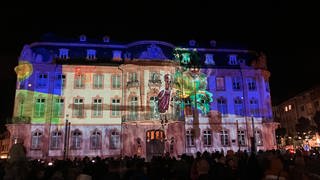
x=191, y=84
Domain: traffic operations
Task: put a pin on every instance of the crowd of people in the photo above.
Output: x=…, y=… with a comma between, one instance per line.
x=266, y=165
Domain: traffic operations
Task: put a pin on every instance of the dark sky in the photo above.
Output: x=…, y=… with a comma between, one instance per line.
x=288, y=33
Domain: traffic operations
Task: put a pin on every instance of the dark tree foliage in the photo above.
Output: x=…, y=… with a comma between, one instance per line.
x=304, y=127
x=316, y=119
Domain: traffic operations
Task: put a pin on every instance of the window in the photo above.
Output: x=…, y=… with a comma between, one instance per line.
x=209, y=59
x=97, y=81
x=133, y=77
x=115, y=140
x=42, y=80
x=116, y=55
x=79, y=80
x=233, y=59
x=286, y=108
x=154, y=77
x=58, y=107
x=64, y=53
x=258, y=138
x=60, y=81
x=133, y=114
x=91, y=54
x=222, y=105
x=76, y=138
x=56, y=139
x=115, y=81
x=238, y=106
x=185, y=58
x=302, y=108
x=289, y=107
x=241, y=138
x=115, y=108
x=220, y=83
x=190, y=137
x=254, y=107
x=95, y=140
x=21, y=100
x=251, y=84
x=36, y=140
x=97, y=107
x=236, y=83
x=78, y=107
x=154, y=114
x=39, y=108
x=224, y=137
x=207, y=138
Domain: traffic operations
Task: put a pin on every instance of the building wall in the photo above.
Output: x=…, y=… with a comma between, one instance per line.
x=142, y=58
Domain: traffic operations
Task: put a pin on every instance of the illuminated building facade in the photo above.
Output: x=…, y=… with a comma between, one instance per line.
x=84, y=98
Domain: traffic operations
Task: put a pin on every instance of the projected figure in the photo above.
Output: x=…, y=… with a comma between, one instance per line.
x=164, y=95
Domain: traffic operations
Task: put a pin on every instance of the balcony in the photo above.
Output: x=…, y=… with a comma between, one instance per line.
x=21, y=120
x=155, y=82
x=134, y=83
x=150, y=117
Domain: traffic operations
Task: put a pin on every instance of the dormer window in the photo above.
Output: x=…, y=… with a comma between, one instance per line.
x=83, y=38
x=192, y=43
x=209, y=59
x=106, y=39
x=64, y=53
x=233, y=59
x=116, y=55
x=91, y=54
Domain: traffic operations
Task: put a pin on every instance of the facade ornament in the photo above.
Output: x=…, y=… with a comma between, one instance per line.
x=153, y=52
x=26, y=53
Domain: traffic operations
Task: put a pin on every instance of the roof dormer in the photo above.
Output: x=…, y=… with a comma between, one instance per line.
x=106, y=39
x=83, y=38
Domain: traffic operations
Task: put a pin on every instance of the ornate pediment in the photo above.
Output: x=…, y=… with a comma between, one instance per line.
x=152, y=52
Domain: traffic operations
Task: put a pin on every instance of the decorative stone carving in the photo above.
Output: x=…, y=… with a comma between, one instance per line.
x=26, y=53
x=153, y=52
x=261, y=62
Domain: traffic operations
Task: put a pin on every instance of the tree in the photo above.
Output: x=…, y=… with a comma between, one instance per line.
x=304, y=128
x=316, y=119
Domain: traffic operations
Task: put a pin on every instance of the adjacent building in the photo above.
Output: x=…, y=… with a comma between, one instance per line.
x=304, y=104
x=81, y=97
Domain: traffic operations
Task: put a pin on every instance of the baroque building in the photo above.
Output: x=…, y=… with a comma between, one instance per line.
x=89, y=98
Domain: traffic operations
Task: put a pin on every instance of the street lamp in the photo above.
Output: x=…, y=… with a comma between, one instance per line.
x=253, y=140
x=66, y=138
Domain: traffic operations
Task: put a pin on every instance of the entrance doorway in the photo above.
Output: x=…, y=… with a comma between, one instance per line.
x=155, y=143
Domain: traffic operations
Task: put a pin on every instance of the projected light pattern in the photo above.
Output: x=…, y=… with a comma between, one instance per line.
x=114, y=95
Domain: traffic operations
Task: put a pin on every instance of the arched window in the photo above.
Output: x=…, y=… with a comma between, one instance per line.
x=76, y=138
x=36, y=139
x=238, y=106
x=56, y=139
x=241, y=138
x=224, y=137
x=95, y=140
x=190, y=137
x=114, y=139
x=258, y=137
x=207, y=137
x=222, y=105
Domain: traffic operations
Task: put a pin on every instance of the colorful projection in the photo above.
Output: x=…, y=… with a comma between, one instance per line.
x=23, y=70
x=190, y=83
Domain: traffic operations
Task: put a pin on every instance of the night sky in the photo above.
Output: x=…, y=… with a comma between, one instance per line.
x=286, y=32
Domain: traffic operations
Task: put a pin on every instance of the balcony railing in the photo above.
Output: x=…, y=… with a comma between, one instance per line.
x=151, y=117
x=21, y=119
x=155, y=82
x=134, y=83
